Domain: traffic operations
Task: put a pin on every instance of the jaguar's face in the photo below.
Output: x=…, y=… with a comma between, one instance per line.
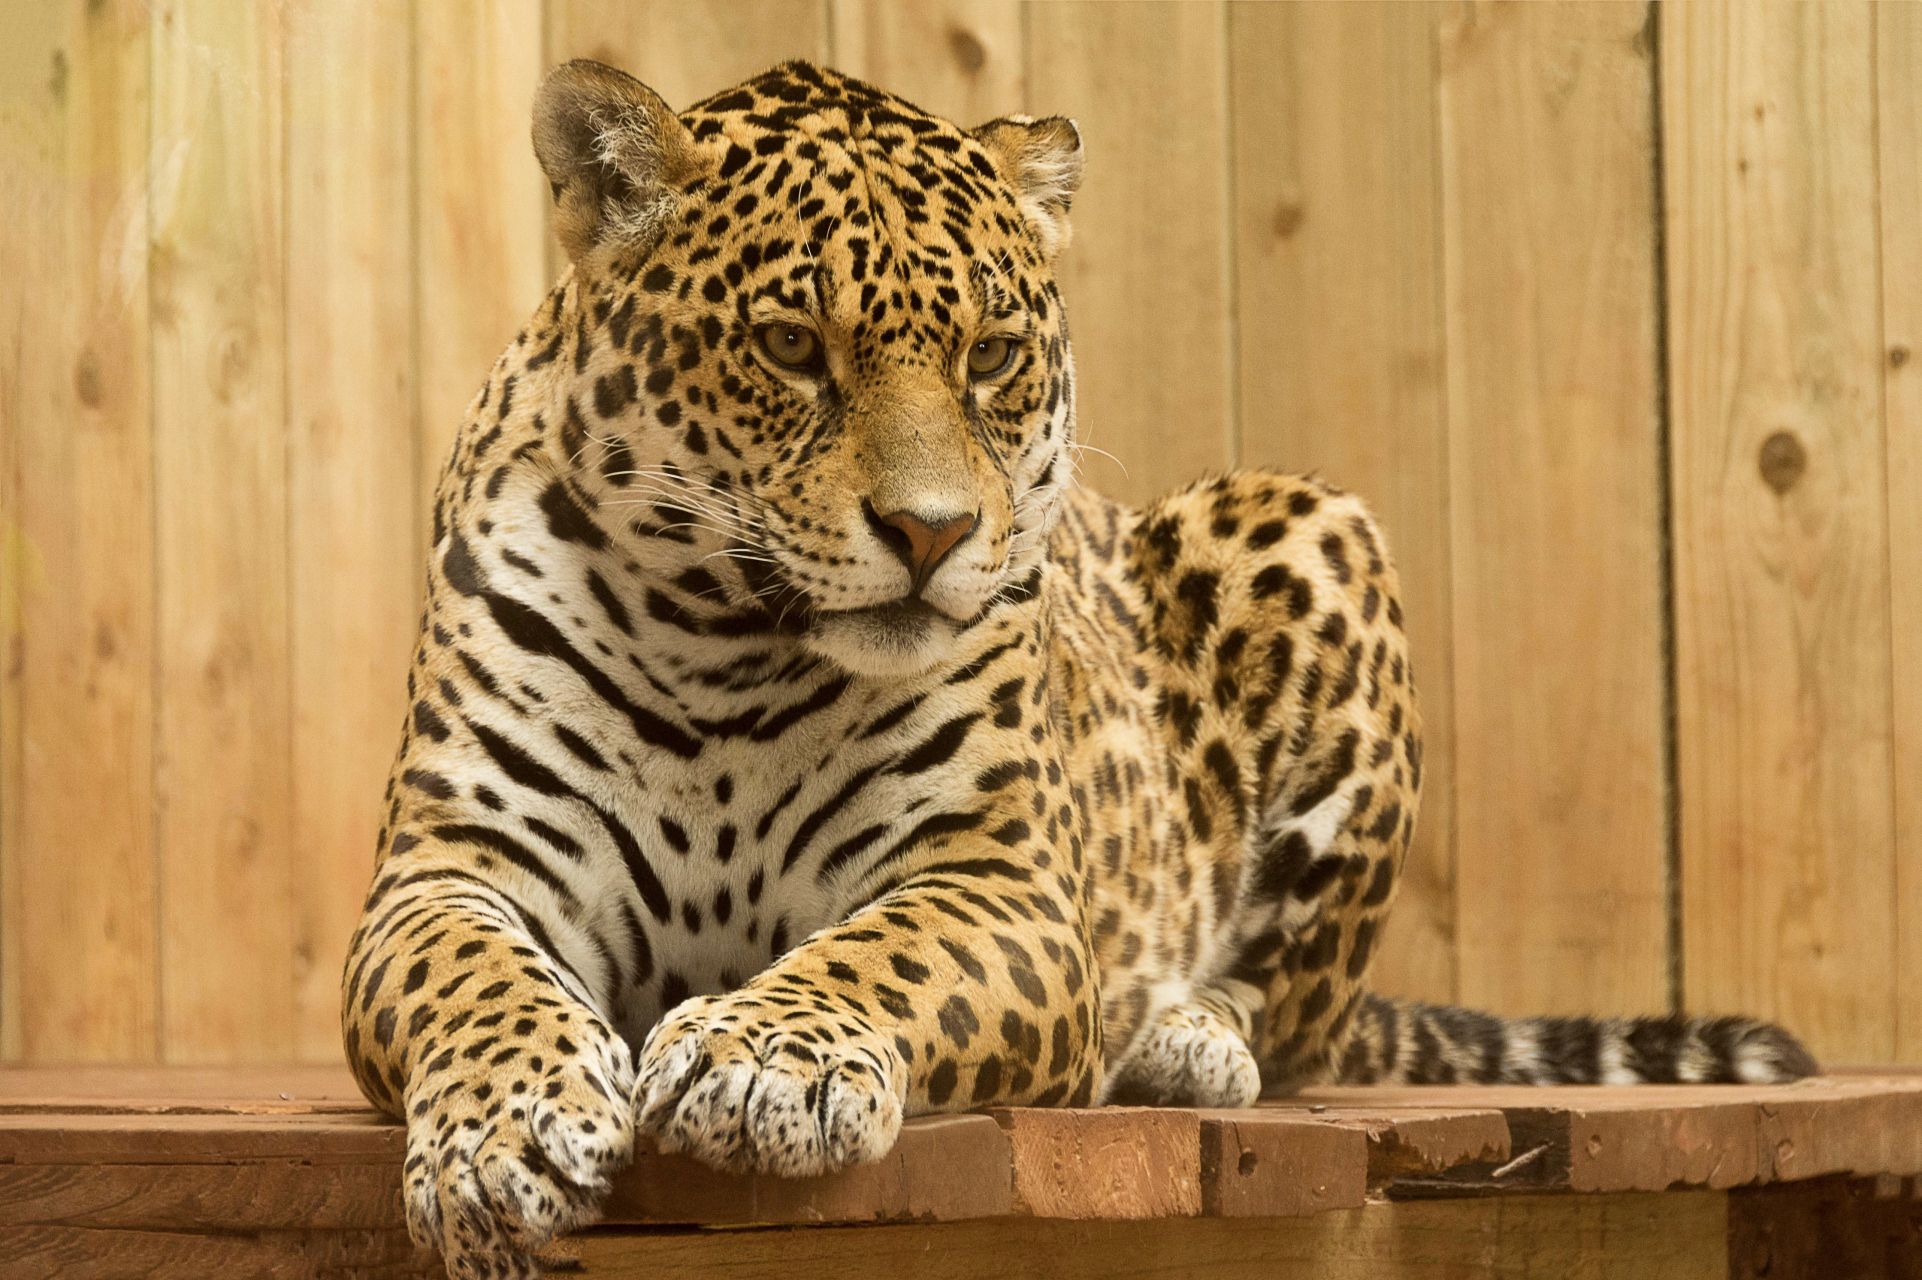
x=851, y=356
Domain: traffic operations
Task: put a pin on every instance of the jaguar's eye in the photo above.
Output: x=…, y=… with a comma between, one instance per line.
x=793, y=345
x=989, y=357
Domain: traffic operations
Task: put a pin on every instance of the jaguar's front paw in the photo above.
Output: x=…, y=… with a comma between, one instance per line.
x=502, y=1156
x=1189, y=1057
x=747, y=1085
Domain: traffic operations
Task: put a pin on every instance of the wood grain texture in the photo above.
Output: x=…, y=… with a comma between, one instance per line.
x=1405, y=1143
x=962, y=59
x=1866, y=1230
x=481, y=205
x=1113, y=1162
x=352, y=449
x=219, y=339
x=1781, y=571
x=1546, y=137
x=77, y=871
x=318, y=1137
x=687, y=50
x=1146, y=279
x=1402, y=1140
x=1338, y=285
x=1256, y=1164
x=940, y=1169
x=1323, y=1185
x=262, y=1195
x=1648, y=1137
x=1673, y=1236
x=16, y=554
x=80, y=1253
x=159, y=1088
x=1898, y=53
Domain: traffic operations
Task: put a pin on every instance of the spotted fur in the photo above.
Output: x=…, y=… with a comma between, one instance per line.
x=794, y=749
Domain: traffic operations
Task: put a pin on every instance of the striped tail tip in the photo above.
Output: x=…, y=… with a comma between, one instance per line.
x=1407, y=1042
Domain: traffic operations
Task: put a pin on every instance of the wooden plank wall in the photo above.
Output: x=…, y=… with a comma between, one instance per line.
x=1781, y=483
x=1614, y=312
x=1554, y=484
x=78, y=940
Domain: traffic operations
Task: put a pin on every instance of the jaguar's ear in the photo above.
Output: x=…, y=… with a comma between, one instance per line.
x=614, y=155
x=1041, y=160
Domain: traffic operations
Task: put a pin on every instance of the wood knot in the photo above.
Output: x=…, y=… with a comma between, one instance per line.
x=233, y=366
x=86, y=379
x=967, y=49
x=1288, y=218
x=1898, y=356
x=1782, y=461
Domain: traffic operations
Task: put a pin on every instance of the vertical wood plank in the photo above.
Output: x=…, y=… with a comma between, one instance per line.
x=77, y=883
x=27, y=150
x=1146, y=278
x=481, y=205
x=1548, y=211
x=1338, y=284
x=1898, y=51
x=219, y=380
x=961, y=59
x=351, y=456
x=687, y=50
x=1781, y=608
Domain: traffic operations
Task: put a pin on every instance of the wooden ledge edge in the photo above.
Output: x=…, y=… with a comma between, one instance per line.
x=1104, y=1162
x=294, y=1170
x=942, y=1169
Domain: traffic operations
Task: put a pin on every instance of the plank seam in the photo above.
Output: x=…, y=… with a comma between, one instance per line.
x=1230, y=258
x=1890, y=501
x=1665, y=533
x=1451, y=839
x=291, y=463
x=1027, y=56
x=156, y=650
x=416, y=409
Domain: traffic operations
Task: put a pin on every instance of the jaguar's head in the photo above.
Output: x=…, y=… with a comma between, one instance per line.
x=835, y=350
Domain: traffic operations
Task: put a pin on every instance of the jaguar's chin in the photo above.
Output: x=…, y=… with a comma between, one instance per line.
x=886, y=641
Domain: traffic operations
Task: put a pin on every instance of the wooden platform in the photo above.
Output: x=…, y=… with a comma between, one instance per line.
x=184, y=1172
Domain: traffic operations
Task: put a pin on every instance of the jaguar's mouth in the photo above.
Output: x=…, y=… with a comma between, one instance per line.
x=892, y=639
x=905, y=615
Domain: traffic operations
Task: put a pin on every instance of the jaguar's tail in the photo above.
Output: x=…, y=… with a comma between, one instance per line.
x=1407, y=1042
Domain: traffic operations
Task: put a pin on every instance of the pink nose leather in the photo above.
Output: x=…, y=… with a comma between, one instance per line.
x=926, y=544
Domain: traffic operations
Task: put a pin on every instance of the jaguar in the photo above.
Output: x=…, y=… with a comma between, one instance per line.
x=794, y=747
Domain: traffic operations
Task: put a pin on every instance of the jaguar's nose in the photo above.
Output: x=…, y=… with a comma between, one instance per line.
x=918, y=542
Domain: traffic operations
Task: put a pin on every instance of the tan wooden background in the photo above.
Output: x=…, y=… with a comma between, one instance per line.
x=1610, y=311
